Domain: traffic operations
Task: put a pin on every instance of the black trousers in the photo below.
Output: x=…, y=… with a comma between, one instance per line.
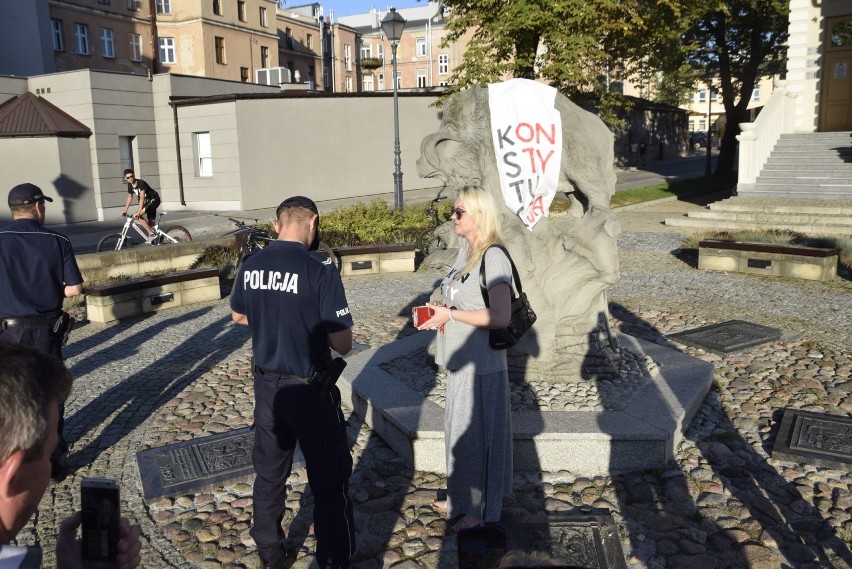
x=42, y=339
x=286, y=411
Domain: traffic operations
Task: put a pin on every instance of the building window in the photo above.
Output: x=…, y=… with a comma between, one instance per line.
x=220, y=50
x=702, y=95
x=755, y=94
x=203, y=155
x=241, y=10
x=217, y=7
x=381, y=81
x=443, y=64
x=701, y=125
x=103, y=2
x=263, y=21
x=133, y=5
x=264, y=57
x=421, y=47
x=368, y=83
x=713, y=96
x=348, y=84
x=380, y=50
x=81, y=39
x=107, y=43
x=442, y=83
x=167, y=50
x=244, y=74
x=164, y=6
x=399, y=80
x=421, y=77
x=58, y=40
x=347, y=56
x=366, y=51
x=288, y=38
x=136, y=47
x=310, y=41
x=325, y=82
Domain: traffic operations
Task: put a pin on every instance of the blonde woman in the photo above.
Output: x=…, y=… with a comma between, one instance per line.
x=477, y=415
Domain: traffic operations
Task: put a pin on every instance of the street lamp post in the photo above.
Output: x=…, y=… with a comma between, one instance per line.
x=392, y=26
x=709, y=169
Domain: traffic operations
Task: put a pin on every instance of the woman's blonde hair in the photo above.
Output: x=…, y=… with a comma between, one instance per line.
x=481, y=207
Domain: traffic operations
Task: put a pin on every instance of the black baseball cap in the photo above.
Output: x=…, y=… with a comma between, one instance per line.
x=298, y=201
x=26, y=194
x=307, y=203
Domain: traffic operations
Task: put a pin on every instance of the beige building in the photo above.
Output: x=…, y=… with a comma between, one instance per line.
x=223, y=39
x=313, y=49
x=421, y=62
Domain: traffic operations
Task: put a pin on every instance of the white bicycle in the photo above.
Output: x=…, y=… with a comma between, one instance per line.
x=117, y=241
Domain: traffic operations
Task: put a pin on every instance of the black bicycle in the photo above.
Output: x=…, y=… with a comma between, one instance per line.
x=251, y=239
x=429, y=240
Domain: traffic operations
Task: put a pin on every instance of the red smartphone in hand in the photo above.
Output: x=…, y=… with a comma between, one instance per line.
x=421, y=314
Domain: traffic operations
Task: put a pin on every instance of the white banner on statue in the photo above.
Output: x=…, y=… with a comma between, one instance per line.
x=527, y=134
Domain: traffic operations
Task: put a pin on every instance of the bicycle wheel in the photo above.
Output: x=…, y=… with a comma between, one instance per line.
x=429, y=241
x=246, y=249
x=111, y=242
x=326, y=251
x=177, y=233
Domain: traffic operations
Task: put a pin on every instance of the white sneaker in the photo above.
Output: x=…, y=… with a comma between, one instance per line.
x=150, y=238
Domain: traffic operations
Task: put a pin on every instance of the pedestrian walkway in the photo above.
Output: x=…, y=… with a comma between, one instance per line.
x=184, y=373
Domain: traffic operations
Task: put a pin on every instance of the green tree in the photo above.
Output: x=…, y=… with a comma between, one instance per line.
x=580, y=47
x=738, y=42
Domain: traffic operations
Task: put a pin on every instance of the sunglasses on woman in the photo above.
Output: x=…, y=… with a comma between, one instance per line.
x=456, y=212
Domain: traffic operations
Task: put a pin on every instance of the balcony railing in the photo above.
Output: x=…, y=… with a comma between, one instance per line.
x=371, y=63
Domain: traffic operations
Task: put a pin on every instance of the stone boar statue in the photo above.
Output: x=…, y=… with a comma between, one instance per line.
x=567, y=261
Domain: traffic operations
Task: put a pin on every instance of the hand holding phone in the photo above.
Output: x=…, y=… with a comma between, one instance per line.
x=101, y=522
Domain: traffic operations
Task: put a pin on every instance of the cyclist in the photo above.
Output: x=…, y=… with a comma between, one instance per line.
x=149, y=201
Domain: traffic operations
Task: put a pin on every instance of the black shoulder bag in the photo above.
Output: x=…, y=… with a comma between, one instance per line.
x=523, y=316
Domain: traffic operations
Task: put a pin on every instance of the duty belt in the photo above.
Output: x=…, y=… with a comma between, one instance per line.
x=272, y=375
x=27, y=322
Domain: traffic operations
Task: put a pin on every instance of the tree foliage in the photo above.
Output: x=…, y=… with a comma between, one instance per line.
x=582, y=46
x=738, y=42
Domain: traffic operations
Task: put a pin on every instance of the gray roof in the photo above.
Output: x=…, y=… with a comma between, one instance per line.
x=372, y=19
x=30, y=115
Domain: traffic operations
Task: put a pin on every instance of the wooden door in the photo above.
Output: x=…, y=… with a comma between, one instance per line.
x=836, y=111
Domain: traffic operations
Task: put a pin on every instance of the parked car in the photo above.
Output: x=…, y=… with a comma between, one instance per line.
x=699, y=139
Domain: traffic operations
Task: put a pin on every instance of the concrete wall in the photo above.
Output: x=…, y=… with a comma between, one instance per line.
x=167, y=183
x=26, y=46
x=59, y=166
x=263, y=149
x=329, y=148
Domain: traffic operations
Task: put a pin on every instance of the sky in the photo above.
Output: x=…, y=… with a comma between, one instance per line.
x=350, y=7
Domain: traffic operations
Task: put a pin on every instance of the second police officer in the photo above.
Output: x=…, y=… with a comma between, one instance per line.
x=293, y=302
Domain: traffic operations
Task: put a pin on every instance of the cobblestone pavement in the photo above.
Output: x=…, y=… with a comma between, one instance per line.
x=184, y=373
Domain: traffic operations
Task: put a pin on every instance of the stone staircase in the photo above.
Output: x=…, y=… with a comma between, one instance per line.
x=811, y=217
x=808, y=165
x=805, y=186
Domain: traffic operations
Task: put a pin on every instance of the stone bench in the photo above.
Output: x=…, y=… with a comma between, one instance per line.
x=369, y=259
x=797, y=261
x=114, y=301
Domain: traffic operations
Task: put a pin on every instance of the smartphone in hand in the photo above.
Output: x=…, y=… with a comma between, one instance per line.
x=101, y=522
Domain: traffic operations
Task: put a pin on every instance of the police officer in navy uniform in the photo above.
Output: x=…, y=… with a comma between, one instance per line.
x=292, y=300
x=37, y=271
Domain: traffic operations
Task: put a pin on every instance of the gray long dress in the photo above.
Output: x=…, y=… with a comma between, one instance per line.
x=477, y=416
